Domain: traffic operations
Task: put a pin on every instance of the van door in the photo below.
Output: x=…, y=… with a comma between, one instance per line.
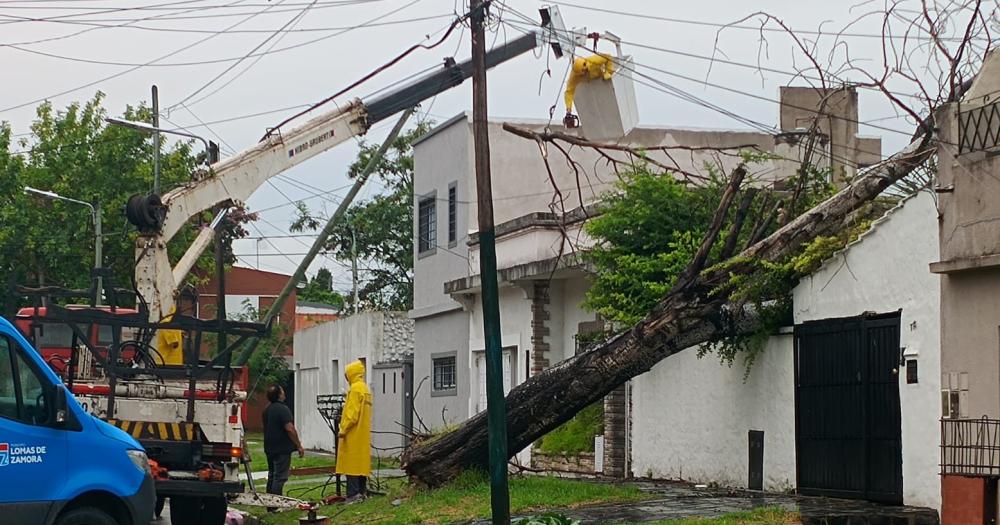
x=33, y=455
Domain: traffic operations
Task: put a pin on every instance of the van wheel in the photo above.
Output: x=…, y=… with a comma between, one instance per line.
x=214, y=511
x=86, y=516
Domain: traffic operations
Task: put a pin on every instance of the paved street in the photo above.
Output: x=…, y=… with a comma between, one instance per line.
x=296, y=487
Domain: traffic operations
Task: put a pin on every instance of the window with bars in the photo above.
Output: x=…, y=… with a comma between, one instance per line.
x=452, y=215
x=444, y=373
x=426, y=224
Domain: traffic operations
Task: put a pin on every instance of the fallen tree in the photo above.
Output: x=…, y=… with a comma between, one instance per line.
x=697, y=310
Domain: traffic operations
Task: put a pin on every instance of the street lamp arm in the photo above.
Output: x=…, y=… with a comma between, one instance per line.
x=56, y=196
x=142, y=126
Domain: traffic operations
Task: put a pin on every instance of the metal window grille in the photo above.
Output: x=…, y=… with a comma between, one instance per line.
x=444, y=373
x=427, y=224
x=979, y=128
x=452, y=214
x=970, y=447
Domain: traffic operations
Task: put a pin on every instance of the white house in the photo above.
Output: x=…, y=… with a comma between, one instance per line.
x=384, y=342
x=542, y=282
x=836, y=408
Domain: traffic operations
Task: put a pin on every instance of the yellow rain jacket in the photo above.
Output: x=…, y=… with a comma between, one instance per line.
x=354, y=455
x=170, y=344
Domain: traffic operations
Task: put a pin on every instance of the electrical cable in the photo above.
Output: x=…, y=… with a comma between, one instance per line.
x=124, y=72
x=730, y=26
x=276, y=34
x=754, y=124
x=378, y=70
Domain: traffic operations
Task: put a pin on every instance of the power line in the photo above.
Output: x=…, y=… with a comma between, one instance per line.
x=14, y=19
x=94, y=27
x=121, y=73
x=369, y=76
x=235, y=31
x=740, y=92
x=276, y=34
x=370, y=23
x=744, y=27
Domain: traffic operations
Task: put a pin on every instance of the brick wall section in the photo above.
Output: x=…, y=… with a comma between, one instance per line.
x=582, y=463
x=539, y=327
x=963, y=500
x=615, y=433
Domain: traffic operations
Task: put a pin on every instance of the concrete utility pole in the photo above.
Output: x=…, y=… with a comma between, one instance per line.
x=320, y=241
x=495, y=403
x=156, y=140
x=354, y=267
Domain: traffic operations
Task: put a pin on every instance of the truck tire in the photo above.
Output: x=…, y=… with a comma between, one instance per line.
x=86, y=516
x=187, y=510
x=184, y=510
x=213, y=511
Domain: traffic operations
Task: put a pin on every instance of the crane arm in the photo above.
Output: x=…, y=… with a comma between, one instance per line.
x=237, y=177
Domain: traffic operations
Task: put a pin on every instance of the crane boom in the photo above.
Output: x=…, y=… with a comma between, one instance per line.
x=236, y=178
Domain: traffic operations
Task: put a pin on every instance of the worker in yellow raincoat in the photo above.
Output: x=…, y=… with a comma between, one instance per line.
x=170, y=344
x=354, y=451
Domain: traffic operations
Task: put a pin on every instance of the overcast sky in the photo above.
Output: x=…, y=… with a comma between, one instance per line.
x=321, y=54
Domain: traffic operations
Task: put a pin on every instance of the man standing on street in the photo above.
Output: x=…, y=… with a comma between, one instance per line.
x=354, y=449
x=280, y=440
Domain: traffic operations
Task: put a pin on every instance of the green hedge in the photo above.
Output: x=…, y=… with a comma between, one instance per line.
x=576, y=435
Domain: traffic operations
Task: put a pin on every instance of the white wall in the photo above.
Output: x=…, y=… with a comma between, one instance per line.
x=887, y=270
x=691, y=417
x=320, y=355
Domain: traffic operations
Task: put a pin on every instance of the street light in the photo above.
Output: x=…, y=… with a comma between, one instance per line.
x=95, y=213
x=211, y=148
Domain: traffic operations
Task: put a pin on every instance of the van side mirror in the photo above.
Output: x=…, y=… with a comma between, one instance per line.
x=60, y=408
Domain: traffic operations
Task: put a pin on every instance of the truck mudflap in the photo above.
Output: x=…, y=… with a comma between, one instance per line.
x=162, y=431
x=262, y=499
x=185, y=487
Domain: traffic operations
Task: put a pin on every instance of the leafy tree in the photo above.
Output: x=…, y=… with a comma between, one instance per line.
x=650, y=227
x=319, y=289
x=380, y=227
x=647, y=231
x=267, y=363
x=73, y=153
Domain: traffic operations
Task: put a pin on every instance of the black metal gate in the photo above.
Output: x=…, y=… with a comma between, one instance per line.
x=847, y=419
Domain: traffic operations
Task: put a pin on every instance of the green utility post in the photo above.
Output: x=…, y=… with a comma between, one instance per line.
x=496, y=406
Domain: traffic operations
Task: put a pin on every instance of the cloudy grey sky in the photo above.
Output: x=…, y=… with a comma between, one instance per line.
x=65, y=50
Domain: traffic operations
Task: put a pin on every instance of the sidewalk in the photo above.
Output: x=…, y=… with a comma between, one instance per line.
x=384, y=473
x=674, y=500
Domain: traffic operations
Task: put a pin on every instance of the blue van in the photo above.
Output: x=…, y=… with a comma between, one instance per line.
x=58, y=464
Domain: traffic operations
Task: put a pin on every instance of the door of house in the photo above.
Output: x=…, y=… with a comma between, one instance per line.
x=847, y=417
x=481, y=367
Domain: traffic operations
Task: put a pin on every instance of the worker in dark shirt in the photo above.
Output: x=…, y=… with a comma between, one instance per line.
x=280, y=440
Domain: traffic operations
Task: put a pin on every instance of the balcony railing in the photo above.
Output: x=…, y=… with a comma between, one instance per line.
x=970, y=447
x=979, y=128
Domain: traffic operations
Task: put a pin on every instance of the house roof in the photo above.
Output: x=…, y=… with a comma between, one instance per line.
x=319, y=306
x=465, y=116
x=877, y=223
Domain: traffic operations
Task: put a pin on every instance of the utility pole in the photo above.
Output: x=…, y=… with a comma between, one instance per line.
x=354, y=267
x=98, y=248
x=156, y=140
x=495, y=403
x=331, y=224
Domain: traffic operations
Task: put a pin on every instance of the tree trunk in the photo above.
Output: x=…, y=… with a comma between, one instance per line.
x=688, y=316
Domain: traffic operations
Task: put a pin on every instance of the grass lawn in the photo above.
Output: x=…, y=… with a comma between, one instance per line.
x=258, y=463
x=767, y=516
x=466, y=498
